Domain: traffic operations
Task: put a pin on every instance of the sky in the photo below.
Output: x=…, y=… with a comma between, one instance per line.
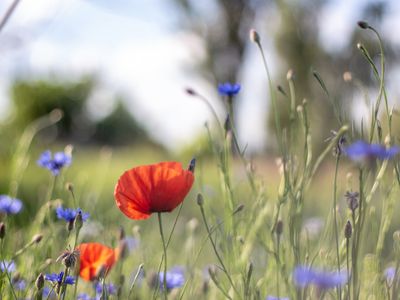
x=139, y=50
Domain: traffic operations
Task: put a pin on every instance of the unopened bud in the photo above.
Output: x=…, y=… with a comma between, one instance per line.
x=279, y=227
x=70, y=225
x=121, y=233
x=190, y=91
x=254, y=36
x=289, y=74
x=192, y=165
x=239, y=209
x=360, y=46
x=200, y=200
x=69, y=186
x=2, y=230
x=281, y=90
x=39, y=283
x=348, y=230
x=78, y=221
x=37, y=238
x=347, y=77
x=363, y=24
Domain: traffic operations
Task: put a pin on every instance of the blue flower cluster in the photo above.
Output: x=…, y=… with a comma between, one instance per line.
x=361, y=150
x=57, y=278
x=69, y=214
x=8, y=266
x=228, y=89
x=10, y=205
x=56, y=163
x=304, y=276
x=175, y=278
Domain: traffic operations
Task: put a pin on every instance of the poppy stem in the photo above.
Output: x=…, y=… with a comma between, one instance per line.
x=165, y=256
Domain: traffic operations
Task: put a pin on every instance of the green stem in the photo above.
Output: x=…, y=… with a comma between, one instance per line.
x=165, y=256
x=339, y=290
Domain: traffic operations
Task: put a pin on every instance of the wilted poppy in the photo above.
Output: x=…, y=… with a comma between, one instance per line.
x=93, y=258
x=160, y=187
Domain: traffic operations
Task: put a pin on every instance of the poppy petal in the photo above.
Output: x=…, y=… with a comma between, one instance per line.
x=152, y=188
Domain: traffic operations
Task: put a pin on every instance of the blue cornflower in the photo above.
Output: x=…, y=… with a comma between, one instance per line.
x=390, y=273
x=111, y=289
x=83, y=296
x=175, y=278
x=55, y=164
x=47, y=291
x=228, y=89
x=361, y=150
x=19, y=284
x=10, y=205
x=276, y=298
x=69, y=214
x=8, y=266
x=57, y=278
x=304, y=276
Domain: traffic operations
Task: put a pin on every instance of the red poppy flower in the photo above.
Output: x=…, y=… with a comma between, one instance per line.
x=153, y=188
x=93, y=257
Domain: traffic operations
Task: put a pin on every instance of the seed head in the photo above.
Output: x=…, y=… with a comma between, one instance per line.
x=69, y=258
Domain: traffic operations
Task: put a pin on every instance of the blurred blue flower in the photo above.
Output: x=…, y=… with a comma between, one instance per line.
x=10, y=205
x=55, y=164
x=8, y=266
x=228, y=89
x=69, y=214
x=175, y=278
x=57, y=278
x=47, y=291
x=390, y=273
x=276, y=298
x=304, y=276
x=83, y=296
x=361, y=150
x=19, y=284
x=111, y=289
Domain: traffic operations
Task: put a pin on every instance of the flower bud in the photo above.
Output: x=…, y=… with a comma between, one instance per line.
x=2, y=230
x=363, y=24
x=200, y=200
x=190, y=91
x=348, y=230
x=192, y=165
x=254, y=36
x=347, y=77
x=279, y=228
x=37, y=238
x=289, y=74
x=69, y=186
x=39, y=283
x=78, y=221
x=238, y=209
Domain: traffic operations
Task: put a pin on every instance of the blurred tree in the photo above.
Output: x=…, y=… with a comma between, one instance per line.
x=33, y=99
x=119, y=128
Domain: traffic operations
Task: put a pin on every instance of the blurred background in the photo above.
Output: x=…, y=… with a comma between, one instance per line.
x=118, y=70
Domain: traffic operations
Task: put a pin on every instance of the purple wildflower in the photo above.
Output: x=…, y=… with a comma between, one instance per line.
x=69, y=214
x=57, y=278
x=8, y=266
x=304, y=276
x=361, y=150
x=10, y=205
x=19, y=284
x=228, y=89
x=83, y=296
x=276, y=298
x=110, y=288
x=390, y=274
x=55, y=164
x=175, y=278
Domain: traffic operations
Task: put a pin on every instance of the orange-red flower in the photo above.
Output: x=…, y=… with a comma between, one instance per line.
x=153, y=188
x=94, y=257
